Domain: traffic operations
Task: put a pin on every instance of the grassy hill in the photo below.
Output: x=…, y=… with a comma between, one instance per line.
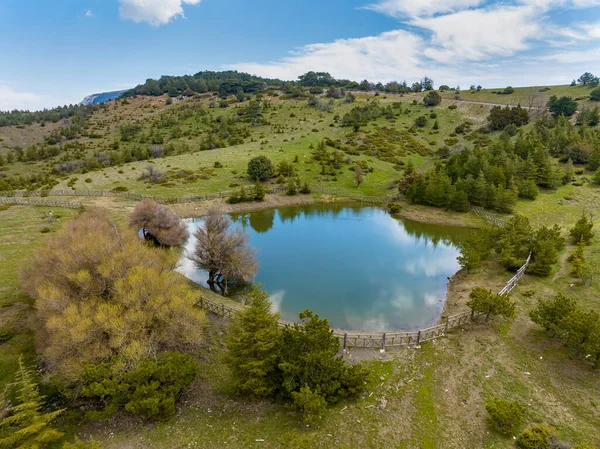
x=426, y=398
x=531, y=96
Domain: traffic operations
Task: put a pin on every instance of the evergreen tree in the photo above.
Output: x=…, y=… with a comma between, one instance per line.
x=259, y=191
x=505, y=200
x=485, y=302
x=568, y=172
x=544, y=256
x=253, y=344
x=479, y=190
x=550, y=313
x=459, y=201
x=309, y=357
x=26, y=426
x=582, y=231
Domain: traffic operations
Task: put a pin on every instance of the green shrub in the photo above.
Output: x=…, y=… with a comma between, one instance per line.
x=432, y=98
x=305, y=189
x=150, y=390
x=311, y=404
x=535, y=437
x=88, y=180
x=504, y=417
x=452, y=106
x=260, y=168
x=394, y=208
x=421, y=121
x=218, y=164
x=120, y=189
x=45, y=230
x=5, y=335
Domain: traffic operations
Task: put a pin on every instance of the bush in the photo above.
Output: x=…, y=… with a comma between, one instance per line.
x=504, y=417
x=452, y=106
x=218, y=164
x=122, y=297
x=120, y=189
x=535, y=437
x=595, y=94
x=432, y=98
x=311, y=404
x=88, y=180
x=260, y=168
x=421, y=121
x=149, y=390
x=485, y=302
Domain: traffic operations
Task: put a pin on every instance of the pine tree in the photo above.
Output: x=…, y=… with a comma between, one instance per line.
x=582, y=231
x=26, y=426
x=478, y=193
x=485, y=302
x=568, y=172
x=259, y=191
x=253, y=345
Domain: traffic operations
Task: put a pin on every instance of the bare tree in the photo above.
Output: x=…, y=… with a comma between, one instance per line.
x=152, y=174
x=359, y=177
x=223, y=252
x=159, y=223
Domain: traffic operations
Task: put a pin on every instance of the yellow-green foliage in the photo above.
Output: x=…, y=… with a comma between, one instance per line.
x=101, y=292
x=25, y=426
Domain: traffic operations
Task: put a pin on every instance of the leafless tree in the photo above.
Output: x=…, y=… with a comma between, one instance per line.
x=223, y=252
x=152, y=174
x=159, y=223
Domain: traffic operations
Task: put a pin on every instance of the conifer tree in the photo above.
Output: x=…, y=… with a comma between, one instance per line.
x=485, y=302
x=26, y=426
x=253, y=344
x=582, y=231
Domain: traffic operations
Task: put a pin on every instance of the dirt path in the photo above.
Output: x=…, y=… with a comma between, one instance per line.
x=563, y=263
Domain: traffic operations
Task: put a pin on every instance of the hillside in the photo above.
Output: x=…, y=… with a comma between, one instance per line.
x=435, y=161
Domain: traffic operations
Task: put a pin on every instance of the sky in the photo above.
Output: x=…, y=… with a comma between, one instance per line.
x=55, y=52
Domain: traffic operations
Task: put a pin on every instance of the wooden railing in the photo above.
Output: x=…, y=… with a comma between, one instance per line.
x=182, y=199
x=46, y=203
x=488, y=216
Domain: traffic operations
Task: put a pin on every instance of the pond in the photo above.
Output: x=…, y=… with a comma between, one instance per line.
x=356, y=266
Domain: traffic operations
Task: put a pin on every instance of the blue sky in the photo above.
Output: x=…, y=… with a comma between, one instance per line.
x=57, y=51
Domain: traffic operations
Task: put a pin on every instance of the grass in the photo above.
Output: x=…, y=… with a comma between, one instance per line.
x=536, y=96
x=432, y=397
x=20, y=228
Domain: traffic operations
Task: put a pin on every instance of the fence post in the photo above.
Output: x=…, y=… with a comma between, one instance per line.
x=201, y=302
x=345, y=341
x=223, y=310
x=446, y=328
x=419, y=338
x=383, y=342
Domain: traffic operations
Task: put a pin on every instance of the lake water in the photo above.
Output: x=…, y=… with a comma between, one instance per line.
x=356, y=266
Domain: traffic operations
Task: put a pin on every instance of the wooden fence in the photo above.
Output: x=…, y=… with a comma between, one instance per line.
x=46, y=203
x=126, y=195
x=488, y=216
x=382, y=340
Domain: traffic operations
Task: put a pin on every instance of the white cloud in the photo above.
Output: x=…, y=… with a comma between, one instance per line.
x=89, y=13
x=477, y=35
x=10, y=99
x=155, y=12
x=387, y=56
x=399, y=8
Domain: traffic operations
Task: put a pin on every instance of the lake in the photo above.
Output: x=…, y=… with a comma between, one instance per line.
x=356, y=266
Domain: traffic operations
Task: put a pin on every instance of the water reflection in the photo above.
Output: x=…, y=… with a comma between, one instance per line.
x=356, y=266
